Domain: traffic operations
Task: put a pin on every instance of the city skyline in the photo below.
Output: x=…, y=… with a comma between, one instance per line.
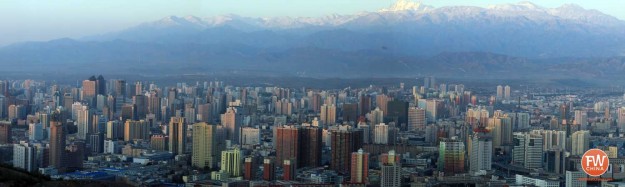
x=389, y=93
x=218, y=133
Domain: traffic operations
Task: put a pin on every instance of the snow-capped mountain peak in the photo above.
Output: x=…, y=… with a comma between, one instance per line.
x=528, y=5
x=193, y=19
x=170, y=20
x=401, y=13
x=576, y=12
x=406, y=5
x=175, y=21
x=521, y=6
x=520, y=29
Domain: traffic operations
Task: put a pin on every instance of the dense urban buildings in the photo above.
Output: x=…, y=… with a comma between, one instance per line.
x=215, y=133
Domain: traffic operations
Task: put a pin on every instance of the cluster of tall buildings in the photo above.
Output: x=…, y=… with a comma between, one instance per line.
x=380, y=135
x=503, y=93
x=257, y=133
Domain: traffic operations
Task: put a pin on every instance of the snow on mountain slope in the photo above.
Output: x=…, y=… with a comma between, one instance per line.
x=402, y=12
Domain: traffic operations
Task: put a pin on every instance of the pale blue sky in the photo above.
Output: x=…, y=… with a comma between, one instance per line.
x=35, y=20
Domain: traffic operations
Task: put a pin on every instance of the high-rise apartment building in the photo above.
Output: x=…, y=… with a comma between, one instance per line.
x=390, y=169
x=416, y=119
x=140, y=103
x=528, y=150
x=100, y=85
x=250, y=168
x=451, y=156
x=481, y=152
x=501, y=128
x=114, y=130
x=289, y=170
x=350, y=112
x=207, y=145
x=232, y=120
x=310, y=147
x=431, y=110
x=89, y=88
x=364, y=104
x=302, y=144
x=345, y=141
x=204, y=113
x=384, y=134
x=119, y=88
x=359, y=167
x=5, y=132
x=621, y=119
x=381, y=102
x=24, y=157
x=57, y=143
x=158, y=142
x=376, y=116
x=573, y=179
x=328, y=114
x=581, y=118
x=35, y=131
x=269, y=173
x=552, y=139
x=231, y=162
x=177, y=136
x=83, y=122
x=580, y=142
x=507, y=93
x=397, y=112
x=136, y=130
x=389, y=158
x=286, y=143
x=96, y=142
x=554, y=160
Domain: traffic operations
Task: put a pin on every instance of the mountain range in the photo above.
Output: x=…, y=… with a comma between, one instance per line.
x=407, y=39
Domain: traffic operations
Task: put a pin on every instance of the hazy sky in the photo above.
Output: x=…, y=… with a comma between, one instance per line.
x=35, y=20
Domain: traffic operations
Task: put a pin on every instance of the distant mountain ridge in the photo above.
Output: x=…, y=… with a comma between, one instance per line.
x=402, y=11
x=522, y=29
x=405, y=39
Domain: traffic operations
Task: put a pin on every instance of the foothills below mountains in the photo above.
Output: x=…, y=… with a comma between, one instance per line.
x=408, y=39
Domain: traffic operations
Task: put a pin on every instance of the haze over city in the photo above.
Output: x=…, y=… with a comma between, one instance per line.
x=312, y=93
